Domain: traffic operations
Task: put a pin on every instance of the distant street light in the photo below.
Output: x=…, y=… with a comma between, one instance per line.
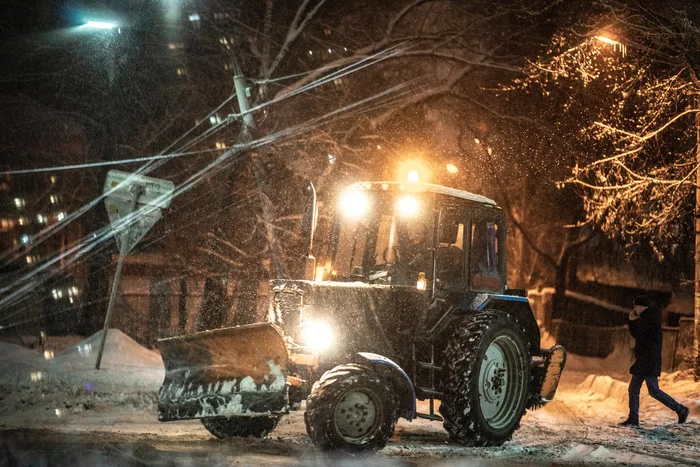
x=617, y=45
x=99, y=25
x=451, y=168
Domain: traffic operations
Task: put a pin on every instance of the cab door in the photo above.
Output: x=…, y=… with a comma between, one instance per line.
x=487, y=252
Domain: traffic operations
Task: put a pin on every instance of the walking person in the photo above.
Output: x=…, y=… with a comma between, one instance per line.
x=645, y=327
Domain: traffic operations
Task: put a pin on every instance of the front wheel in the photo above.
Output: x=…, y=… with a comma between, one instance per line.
x=352, y=409
x=485, y=379
x=240, y=427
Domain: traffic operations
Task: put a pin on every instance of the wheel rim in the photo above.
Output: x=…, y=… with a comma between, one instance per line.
x=500, y=382
x=357, y=415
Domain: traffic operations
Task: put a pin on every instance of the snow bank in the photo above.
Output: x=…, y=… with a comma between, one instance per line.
x=120, y=351
x=603, y=388
x=55, y=389
x=617, y=364
x=125, y=364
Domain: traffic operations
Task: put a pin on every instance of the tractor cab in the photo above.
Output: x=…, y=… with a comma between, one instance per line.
x=430, y=237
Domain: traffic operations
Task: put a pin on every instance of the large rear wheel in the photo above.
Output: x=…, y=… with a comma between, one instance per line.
x=351, y=408
x=485, y=380
x=240, y=427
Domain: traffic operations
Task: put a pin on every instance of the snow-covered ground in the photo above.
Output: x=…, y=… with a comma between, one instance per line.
x=63, y=395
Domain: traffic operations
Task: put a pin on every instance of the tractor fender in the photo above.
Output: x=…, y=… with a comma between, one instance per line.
x=398, y=378
x=519, y=308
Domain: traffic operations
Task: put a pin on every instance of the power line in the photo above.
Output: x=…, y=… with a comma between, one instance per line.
x=88, y=165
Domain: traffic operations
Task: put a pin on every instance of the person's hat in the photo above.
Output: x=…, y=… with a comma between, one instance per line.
x=642, y=300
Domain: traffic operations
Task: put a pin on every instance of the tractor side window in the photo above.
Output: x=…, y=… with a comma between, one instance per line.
x=449, y=254
x=485, y=271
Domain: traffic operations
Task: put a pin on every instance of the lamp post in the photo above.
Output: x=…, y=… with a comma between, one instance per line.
x=97, y=279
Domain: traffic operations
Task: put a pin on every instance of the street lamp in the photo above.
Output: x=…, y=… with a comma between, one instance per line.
x=617, y=45
x=99, y=25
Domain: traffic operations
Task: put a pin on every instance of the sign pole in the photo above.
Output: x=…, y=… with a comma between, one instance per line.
x=123, y=251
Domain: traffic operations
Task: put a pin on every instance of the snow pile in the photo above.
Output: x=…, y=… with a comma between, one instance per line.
x=69, y=384
x=617, y=364
x=15, y=355
x=120, y=351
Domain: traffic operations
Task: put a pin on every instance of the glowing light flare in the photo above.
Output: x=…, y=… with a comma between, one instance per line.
x=354, y=203
x=607, y=40
x=451, y=168
x=316, y=335
x=99, y=25
x=421, y=283
x=414, y=171
x=320, y=272
x=408, y=206
x=616, y=45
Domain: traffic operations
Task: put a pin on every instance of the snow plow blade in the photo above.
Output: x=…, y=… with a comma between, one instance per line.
x=546, y=376
x=238, y=371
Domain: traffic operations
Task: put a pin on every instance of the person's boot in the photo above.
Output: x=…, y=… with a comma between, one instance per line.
x=683, y=413
x=631, y=421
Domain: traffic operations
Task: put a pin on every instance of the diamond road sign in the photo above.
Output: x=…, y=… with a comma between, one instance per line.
x=154, y=192
x=134, y=204
x=143, y=219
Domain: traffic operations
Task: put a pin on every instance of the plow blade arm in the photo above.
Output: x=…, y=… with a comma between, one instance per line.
x=546, y=374
x=224, y=372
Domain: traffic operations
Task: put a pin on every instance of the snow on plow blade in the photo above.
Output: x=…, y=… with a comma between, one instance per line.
x=224, y=372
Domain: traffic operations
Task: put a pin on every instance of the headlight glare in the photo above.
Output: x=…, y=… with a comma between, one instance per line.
x=316, y=335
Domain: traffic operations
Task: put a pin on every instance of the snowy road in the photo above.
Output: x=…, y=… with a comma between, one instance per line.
x=63, y=412
x=576, y=429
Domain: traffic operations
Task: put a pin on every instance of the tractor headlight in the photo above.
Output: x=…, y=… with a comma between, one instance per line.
x=354, y=203
x=316, y=335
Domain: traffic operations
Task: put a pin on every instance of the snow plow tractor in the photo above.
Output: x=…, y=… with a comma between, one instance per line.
x=412, y=304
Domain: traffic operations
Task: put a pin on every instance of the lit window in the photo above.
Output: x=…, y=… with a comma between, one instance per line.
x=220, y=145
x=53, y=199
x=7, y=224
x=176, y=45
x=338, y=81
x=53, y=179
x=41, y=219
x=19, y=202
x=194, y=17
x=181, y=71
x=311, y=52
x=30, y=260
x=25, y=239
x=214, y=119
x=60, y=216
x=21, y=221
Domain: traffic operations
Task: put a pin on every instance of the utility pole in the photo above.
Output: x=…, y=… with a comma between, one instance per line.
x=242, y=97
x=249, y=128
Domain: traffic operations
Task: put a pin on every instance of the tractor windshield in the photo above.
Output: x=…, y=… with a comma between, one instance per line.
x=384, y=237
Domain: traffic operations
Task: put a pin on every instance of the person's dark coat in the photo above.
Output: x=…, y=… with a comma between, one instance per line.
x=648, y=335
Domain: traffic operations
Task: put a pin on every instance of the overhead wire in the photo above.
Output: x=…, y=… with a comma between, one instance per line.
x=100, y=235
